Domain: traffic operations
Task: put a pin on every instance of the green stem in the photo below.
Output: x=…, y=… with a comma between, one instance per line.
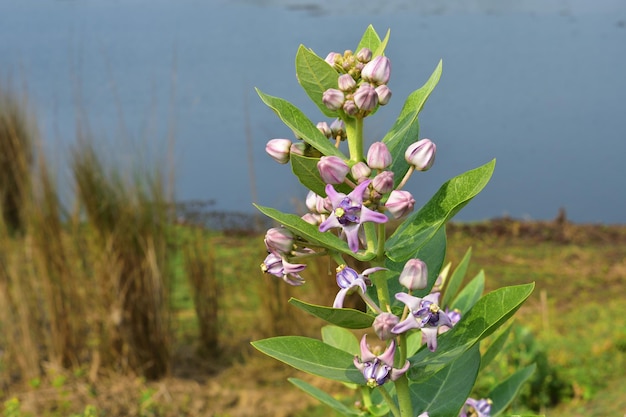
x=404, y=396
x=392, y=404
x=354, y=131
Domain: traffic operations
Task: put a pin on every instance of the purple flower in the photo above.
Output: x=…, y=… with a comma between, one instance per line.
x=350, y=281
x=424, y=314
x=332, y=169
x=279, y=239
x=277, y=265
x=377, y=71
x=414, y=275
x=349, y=212
x=378, y=369
x=476, y=408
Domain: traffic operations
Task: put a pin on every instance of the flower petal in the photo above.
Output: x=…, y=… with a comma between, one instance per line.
x=412, y=302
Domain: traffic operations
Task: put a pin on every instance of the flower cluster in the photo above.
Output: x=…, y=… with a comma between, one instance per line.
x=362, y=83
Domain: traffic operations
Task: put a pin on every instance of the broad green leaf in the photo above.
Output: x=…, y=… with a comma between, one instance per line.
x=496, y=346
x=341, y=339
x=420, y=227
x=470, y=294
x=507, y=390
x=305, y=169
x=491, y=311
x=413, y=343
x=300, y=124
x=312, y=356
x=405, y=130
x=312, y=233
x=323, y=397
x=344, y=317
x=380, y=50
x=315, y=76
x=445, y=392
x=370, y=39
x=455, y=281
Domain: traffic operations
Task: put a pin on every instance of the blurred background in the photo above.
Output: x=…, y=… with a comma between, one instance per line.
x=538, y=85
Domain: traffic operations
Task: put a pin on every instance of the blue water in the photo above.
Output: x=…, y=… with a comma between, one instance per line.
x=538, y=85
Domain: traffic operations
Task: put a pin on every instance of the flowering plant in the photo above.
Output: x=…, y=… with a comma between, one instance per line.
x=424, y=357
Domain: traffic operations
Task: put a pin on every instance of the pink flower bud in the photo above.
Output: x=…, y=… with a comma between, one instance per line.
x=312, y=218
x=279, y=239
x=338, y=128
x=310, y=201
x=383, y=323
x=324, y=128
x=378, y=156
x=421, y=154
x=279, y=150
x=414, y=276
x=400, y=203
x=346, y=82
x=364, y=55
x=383, y=182
x=384, y=94
x=377, y=71
x=333, y=58
x=360, y=171
x=298, y=148
x=333, y=98
x=366, y=98
x=333, y=169
x=350, y=108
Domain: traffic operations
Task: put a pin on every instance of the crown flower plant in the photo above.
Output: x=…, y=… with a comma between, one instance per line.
x=420, y=351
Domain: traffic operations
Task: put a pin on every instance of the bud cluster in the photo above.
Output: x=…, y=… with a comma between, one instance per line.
x=361, y=85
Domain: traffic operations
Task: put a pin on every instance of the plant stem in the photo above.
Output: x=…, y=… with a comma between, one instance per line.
x=354, y=131
x=392, y=404
x=404, y=396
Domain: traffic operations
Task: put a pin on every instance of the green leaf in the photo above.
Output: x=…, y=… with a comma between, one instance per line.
x=454, y=283
x=312, y=233
x=300, y=124
x=445, y=392
x=370, y=39
x=343, y=317
x=315, y=76
x=405, y=130
x=496, y=346
x=420, y=227
x=323, y=397
x=413, y=343
x=507, y=390
x=305, y=169
x=341, y=339
x=489, y=313
x=470, y=294
x=380, y=50
x=312, y=356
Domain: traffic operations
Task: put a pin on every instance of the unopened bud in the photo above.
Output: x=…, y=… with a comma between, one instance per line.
x=364, y=55
x=378, y=156
x=338, y=128
x=421, y=154
x=350, y=108
x=298, y=148
x=400, y=203
x=332, y=169
x=312, y=218
x=279, y=239
x=360, y=171
x=333, y=98
x=324, y=128
x=279, y=150
x=333, y=58
x=366, y=98
x=384, y=94
x=383, y=182
x=346, y=82
x=377, y=71
x=414, y=276
x=383, y=323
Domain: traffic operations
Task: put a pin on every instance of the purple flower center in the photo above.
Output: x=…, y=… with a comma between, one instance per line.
x=347, y=213
x=428, y=314
x=346, y=276
x=376, y=372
